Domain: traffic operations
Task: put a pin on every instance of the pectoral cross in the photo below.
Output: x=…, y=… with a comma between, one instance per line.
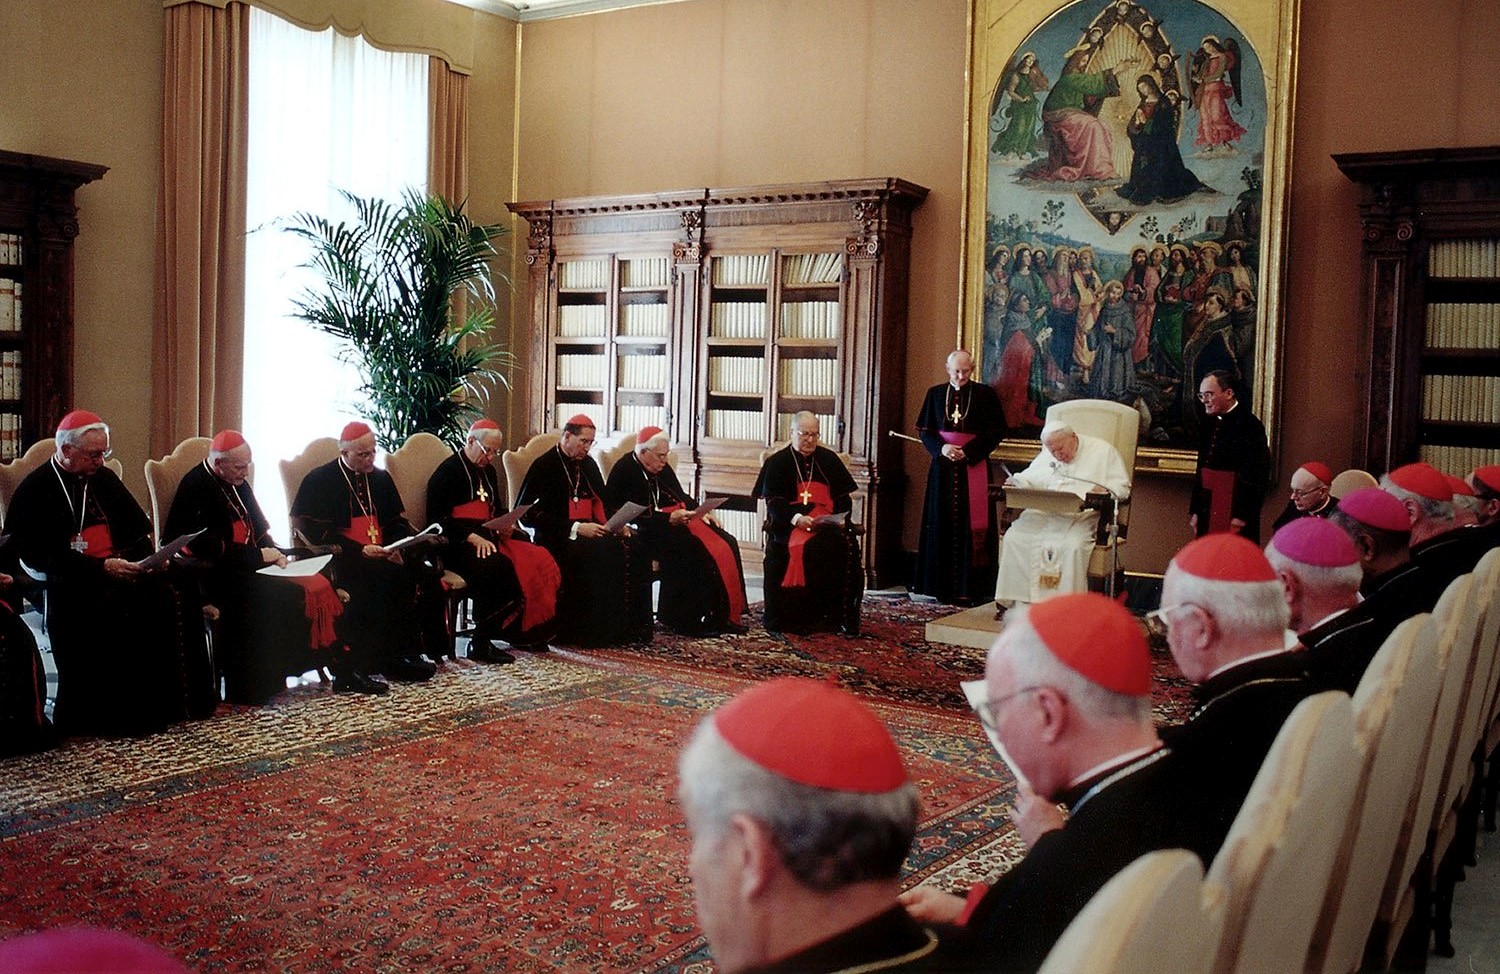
x=484, y=495
x=374, y=533
x=956, y=414
x=806, y=495
x=78, y=544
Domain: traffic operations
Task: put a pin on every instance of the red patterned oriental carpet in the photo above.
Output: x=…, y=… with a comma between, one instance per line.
x=517, y=818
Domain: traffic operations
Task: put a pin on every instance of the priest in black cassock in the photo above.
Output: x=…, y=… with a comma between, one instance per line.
x=1234, y=463
x=128, y=643
x=813, y=574
x=396, y=602
x=24, y=726
x=269, y=628
x=606, y=576
x=702, y=580
x=514, y=583
x=960, y=423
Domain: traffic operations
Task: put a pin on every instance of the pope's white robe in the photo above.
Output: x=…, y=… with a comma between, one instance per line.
x=1043, y=554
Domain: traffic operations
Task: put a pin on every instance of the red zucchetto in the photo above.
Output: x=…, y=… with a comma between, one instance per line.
x=78, y=419
x=646, y=434
x=1320, y=470
x=354, y=431
x=1374, y=508
x=1096, y=638
x=480, y=425
x=1317, y=542
x=1422, y=479
x=581, y=419
x=1224, y=557
x=812, y=733
x=1489, y=476
x=227, y=440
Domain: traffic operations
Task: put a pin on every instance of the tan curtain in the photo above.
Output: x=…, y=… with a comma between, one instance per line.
x=448, y=131
x=199, y=336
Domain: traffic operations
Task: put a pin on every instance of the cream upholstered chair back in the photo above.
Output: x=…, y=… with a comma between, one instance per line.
x=515, y=463
x=607, y=458
x=1458, y=630
x=1392, y=707
x=411, y=466
x=317, y=453
x=1349, y=481
x=1145, y=920
x=12, y=473
x=164, y=475
x=1115, y=423
x=1486, y=601
x=1274, y=867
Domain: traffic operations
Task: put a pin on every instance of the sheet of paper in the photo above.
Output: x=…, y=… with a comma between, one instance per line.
x=832, y=520
x=412, y=539
x=977, y=693
x=709, y=506
x=506, y=523
x=161, y=556
x=299, y=568
x=628, y=512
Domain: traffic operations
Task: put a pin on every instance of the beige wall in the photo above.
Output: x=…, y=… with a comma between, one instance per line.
x=734, y=92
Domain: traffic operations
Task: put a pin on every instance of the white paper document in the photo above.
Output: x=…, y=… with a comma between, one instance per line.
x=162, y=555
x=628, y=512
x=410, y=539
x=300, y=568
x=708, y=506
x=506, y=523
x=977, y=693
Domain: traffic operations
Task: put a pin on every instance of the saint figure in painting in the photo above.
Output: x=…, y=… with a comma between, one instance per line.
x=1079, y=145
x=1157, y=174
x=1021, y=84
x=1215, y=78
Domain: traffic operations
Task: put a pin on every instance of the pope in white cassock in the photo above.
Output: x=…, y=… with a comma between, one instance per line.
x=1047, y=554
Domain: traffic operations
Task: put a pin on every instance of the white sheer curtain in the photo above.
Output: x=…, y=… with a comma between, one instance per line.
x=327, y=112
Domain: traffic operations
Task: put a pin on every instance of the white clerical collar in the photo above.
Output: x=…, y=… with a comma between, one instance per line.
x=1332, y=615
x=1288, y=640
x=1118, y=761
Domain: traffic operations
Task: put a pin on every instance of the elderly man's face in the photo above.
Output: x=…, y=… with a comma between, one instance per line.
x=482, y=447
x=805, y=436
x=1215, y=398
x=87, y=455
x=359, y=455
x=1011, y=714
x=716, y=878
x=577, y=445
x=654, y=458
x=233, y=466
x=1063, y=446
x=1189, y=628
x=960, y=369
x=1308, y=492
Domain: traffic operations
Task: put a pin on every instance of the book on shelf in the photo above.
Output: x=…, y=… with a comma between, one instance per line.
x=799, y=270
x=644, y=272
x=736, y=375
x=633, y=418
x=742, y=270
x=645, y=321
x=11, y=251
x=580, y=321
x=809, y=377
x=8, y=321
x=744, y=525
x=646, y=373
x=1479, y=258
x=10, y=436
x=1458, y=460
x=737, y=319
x=1461, y=398
x=810, y=319
x=566, y=410
x=581, y=371
x=583, y=274
x=736, y=424
x=10, y=374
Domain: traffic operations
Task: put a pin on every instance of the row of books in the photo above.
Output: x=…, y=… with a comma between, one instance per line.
x=10, y=305
x=10, y=375
x=827, y=427
x=744, y=525
x=645, y=320
x=582, y=371
x=583, y=274
x=648, y=372
x=633, y=418
x=797, y=269
x=1458, y=460
x=742, y=270
x=810, y=319
x=1463, y=326
x=10, y=436
x=809, y=377
x=594, y=411
x=1464, y=258
x=580, y=321
x=10, y=249
x=737, y=319
x=736, y=424
x=737, y=376
x=643, y=272
x=1461, y=398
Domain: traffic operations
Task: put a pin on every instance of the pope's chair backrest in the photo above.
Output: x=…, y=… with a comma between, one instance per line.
x=411, y=466
x=163, y=477
x=12, y=473
x=317, y=453
x=1115, y=423
x=516, y=462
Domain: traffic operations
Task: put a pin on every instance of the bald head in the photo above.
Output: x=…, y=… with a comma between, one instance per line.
x=960, y=368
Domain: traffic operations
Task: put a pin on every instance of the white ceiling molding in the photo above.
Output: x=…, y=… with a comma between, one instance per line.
x=526, y=11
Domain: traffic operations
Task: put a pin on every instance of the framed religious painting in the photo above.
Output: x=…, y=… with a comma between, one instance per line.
x=1126, y=201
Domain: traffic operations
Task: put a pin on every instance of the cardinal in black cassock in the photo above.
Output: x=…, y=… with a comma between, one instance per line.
x=813, y=574
x=606, y=577
x=128, y=644
x=514, y=583
x=960, y=423
x=702, y=579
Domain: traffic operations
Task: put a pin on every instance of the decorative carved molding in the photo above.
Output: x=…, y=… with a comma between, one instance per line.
x=538, y=238
x=866, y=241
x=689, y=250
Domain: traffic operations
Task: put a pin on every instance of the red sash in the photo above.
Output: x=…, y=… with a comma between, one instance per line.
x=474, y=510
x=586, y=509
x=718, y=549
x=979, y=490
x=239, y=532
x=1220, y=487
x=822, y=503
x=540, y=579
x=359, y=530
x=321, y=605
x=100, y=544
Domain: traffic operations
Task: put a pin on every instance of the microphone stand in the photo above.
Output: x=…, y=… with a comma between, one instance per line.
x=1113, y=535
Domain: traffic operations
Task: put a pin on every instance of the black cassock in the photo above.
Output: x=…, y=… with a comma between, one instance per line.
x=130, y=653
x=262, y=635
x=1233, y=447
x=606, y=592
x=889, y=941
x=24, y=726
x=504, y=607
x=956, y=549
x=698, y=593
x=395, y=610
x=835, y=575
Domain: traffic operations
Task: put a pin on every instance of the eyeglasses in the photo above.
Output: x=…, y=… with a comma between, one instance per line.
x=104, y=454
x=1308, y=492
x=487, y=450
x=988, y=712
x=1158, y=620
x=805, y=434
x=363, y=454
x=1206, y=396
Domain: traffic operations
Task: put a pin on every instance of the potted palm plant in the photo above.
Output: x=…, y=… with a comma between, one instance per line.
x=408, y=289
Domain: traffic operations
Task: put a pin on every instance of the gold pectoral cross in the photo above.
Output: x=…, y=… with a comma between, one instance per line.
x=484, y=495
x=956, y=414
x=806, y=495
x=374, y=533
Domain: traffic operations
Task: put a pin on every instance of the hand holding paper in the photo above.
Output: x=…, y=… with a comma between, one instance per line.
x=160, y=557
x=431, y=529
x=628, y=512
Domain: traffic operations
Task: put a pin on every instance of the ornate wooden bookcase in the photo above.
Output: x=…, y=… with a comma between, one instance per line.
x=1431, y=304
x=38, y=221
x=717, y=314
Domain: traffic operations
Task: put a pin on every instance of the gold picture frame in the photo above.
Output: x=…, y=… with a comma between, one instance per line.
x=1100, y=128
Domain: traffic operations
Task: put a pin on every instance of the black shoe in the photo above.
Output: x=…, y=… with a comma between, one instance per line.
x=354, y=681
x=530, y=647
x=487, y=652
x=411, y=669
x=735, y=629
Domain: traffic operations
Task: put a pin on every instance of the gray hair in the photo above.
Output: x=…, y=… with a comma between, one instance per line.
x=828, y=839
x=651, y=443
x=1428, y=508
x=1056, y=427
x=1035, y=665
x=1320, y=578
x=73, y=437
x=1244, y=608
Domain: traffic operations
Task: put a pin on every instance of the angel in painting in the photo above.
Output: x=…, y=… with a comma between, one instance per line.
x=1020, y=84
x=1214, y=78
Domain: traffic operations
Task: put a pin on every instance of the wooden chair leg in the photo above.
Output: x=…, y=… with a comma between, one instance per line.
x=1491, y=783
x=1450, y=871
